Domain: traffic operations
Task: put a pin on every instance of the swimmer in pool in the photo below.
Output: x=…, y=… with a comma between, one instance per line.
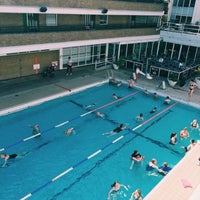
x=98, y=114
x=173, y=138
x=152, y=166
x=136, y=156
x=153, y=110
x=184, y=133
x=118, y=129
x=140, y=117
x=165, y=167
x=136, y=195
x=194, y=124
x=115, y=187
x=114, y=96
x=90, y=105
x=69, y=131
x=6, y=157
x=36, y=129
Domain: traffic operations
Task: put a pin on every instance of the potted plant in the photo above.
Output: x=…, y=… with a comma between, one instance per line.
x=172, y=79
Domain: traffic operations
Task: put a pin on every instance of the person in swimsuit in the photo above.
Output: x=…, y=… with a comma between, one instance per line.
x=153, y=110
x=136, y=195
x=167, y=100
x=114, y=96
x=6, y=157
x=184, y=133
x=190, y=146
x=69, y=131
x=191, y=89
x=165, y=167
x=140, y=117
x=98, y=114
x=113, y=81
x=36, y=129
x=136, y=156
x=173, y=139
x=118, y=129
x=194, y=124
x=115, y=187
x=152, y=166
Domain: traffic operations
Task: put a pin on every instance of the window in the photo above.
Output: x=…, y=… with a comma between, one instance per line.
x=51, y=20
x=103, y=19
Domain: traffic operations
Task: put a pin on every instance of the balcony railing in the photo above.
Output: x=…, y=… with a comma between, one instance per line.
x=187, y=28
x=22, y=29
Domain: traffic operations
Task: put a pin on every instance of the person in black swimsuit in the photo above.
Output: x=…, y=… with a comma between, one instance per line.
x=6, y=157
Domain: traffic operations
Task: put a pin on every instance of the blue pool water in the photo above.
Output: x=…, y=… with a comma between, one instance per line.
x=44, y=158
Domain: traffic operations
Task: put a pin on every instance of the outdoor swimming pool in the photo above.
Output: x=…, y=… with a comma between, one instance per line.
x=85, y=164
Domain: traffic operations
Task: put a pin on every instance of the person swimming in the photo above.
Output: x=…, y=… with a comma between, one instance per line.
x=6, y=157
x=115, y=187
x=153, y=110
x=118, y=129
x=98, y=114
x=152, y=166
x=69, y=131
x=114, y=96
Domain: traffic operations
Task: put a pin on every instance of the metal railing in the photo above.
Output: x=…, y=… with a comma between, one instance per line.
x=187, y=28
x=60, y=28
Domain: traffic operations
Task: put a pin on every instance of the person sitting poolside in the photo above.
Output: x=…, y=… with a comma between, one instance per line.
x=167, y=100
x=194, y=124
x=6, y=157
x=165, y=167
x=184, y=133
x=115, y=187
x=140, y=117
x=136, y=195
x=173, y=138
x=69, y=131
x=115, y=82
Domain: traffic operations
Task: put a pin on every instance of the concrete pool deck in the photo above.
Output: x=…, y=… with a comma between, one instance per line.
x=20, y=93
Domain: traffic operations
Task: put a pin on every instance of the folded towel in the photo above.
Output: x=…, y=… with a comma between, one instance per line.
x=186, y=183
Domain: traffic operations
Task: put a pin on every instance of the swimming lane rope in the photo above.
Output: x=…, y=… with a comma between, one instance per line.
x=67, y=121
x=94, y=154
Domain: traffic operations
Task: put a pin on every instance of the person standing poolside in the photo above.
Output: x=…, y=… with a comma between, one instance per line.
x=115, y=187
x=69, y=66
x=136, y=195
x=191, y=89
